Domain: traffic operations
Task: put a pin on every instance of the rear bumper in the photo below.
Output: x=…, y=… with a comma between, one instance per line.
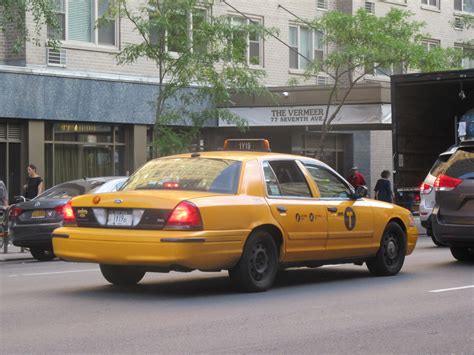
x=453, y=234
x=166, y=250
x=426, y=221
x=31, y=235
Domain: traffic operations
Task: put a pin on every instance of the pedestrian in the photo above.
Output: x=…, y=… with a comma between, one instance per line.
x=34, y=184
x=356, y=178
x=3, y=194
x=383, y=188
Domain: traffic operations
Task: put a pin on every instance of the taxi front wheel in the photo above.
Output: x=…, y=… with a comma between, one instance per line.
x=258, y=266
x=391, y=254
x=121, y=275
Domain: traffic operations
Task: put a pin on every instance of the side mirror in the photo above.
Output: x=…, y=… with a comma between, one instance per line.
x=360, y=192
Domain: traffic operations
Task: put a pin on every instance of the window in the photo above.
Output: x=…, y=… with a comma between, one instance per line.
x=329, y=184
x=75, y=150
x=246, y=46
x=429, y=44
x=464, y=5
x=284, y=178
x=468, y=60
x=184, y=33
x=322, y=4
x=306, y=42
x=191, y=174
x=433, y=3
x=60, y=32
x=77, y=22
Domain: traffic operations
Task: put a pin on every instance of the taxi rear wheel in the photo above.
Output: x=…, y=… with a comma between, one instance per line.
x=258, y=266
x=391, y=254
x=121, y=275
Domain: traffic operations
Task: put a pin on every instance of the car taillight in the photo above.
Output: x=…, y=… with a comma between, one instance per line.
x=67, y=212
x=446, y=183
x=425, y=188
x=15, y=212
x=185, y=216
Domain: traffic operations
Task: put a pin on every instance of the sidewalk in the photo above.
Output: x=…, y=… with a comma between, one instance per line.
x=14, y=253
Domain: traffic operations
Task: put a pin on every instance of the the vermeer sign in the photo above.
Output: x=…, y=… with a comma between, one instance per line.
x=311, y=115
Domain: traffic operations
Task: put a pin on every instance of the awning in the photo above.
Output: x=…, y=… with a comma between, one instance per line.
x=311, y=115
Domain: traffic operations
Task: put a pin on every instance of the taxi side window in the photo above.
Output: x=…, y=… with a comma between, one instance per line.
x=329, y=184
x=284, y=178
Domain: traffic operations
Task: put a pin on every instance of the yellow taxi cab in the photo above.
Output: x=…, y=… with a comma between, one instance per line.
x=249, y=212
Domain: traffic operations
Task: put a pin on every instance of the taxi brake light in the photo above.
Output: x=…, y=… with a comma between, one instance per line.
x=185, y=216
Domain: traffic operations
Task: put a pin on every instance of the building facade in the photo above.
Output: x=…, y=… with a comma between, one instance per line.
x=75, y=112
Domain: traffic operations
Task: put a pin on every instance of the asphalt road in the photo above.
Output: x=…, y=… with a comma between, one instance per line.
x=57, y=307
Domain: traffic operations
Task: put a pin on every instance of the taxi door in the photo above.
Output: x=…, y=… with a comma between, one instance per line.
x=302, y=217
x=350, y=221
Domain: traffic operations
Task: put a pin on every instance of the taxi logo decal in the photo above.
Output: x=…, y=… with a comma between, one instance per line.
x=349, y=218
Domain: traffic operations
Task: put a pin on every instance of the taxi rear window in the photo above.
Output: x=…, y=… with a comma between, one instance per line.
x=194, y=174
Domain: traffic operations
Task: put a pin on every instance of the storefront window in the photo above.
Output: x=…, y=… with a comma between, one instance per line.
x=11, y=162
x=83, y=150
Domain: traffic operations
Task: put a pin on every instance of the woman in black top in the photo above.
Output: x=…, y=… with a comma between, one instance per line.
x=383, y=188
x=34, y=184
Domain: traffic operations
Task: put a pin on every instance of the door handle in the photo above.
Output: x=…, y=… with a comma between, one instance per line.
x=332, y=209
x=282, y=209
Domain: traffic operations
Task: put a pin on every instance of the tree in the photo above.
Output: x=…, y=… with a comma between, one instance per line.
x=201, y=61
x=12, y=18
x=361, y=44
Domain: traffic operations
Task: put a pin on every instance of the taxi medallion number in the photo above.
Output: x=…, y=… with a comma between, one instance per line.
x=119, y=218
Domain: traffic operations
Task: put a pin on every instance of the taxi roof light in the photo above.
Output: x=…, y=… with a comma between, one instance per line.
x=252, y=145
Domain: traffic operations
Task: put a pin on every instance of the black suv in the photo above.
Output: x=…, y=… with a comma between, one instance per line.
x=453, y=214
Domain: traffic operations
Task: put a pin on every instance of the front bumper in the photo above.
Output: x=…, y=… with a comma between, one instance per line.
x=412, y=238
x=456, y=235
x=161, y=250
x=31, y=235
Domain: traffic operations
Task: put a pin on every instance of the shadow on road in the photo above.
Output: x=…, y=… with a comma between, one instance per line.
x=320, y=280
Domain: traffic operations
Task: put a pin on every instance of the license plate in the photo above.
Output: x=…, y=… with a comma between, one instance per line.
x=38, y=214
x=119, y=218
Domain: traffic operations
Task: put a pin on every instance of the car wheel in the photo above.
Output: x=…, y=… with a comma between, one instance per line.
x=463, y=254
x=42, y=254
x=437, y=242
x=258, y=266
x=121, y=275
x=391, y=254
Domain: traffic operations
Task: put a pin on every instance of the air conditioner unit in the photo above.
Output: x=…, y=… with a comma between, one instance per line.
x=56, y=57
x=370, y=7
x=458, y=23
x=322, y=4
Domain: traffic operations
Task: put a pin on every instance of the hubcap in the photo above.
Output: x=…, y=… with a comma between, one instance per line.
x=259, y=262
x=391, y=249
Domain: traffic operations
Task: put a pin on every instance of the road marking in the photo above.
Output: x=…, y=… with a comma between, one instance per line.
x=452, y=289
x=53, y=273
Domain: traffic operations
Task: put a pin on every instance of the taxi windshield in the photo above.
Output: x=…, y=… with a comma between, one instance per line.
x=195, y=174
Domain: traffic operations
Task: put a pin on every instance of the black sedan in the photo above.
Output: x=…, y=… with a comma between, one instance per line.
x=32, y=222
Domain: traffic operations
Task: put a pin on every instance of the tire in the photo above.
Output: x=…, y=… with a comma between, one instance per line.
x=258, y=266
x=391, y=254
x=436, y=241
x=121, y=275
x=463, y=254
x=41, y=254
